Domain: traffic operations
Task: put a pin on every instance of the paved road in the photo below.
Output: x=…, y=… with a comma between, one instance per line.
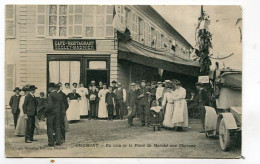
x=101, y=138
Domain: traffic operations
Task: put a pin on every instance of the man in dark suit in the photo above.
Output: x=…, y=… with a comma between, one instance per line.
x=64, y=107
x=120, y=101
x=202, y=100
x=93, y=102
x=40, y=105
x=14, y=104
x=30, y=111
x=54, y=115
x=131, y=99
x=143, y=104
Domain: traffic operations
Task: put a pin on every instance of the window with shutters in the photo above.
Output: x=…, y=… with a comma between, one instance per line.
x=89, y=21
x=109, y=21
x=141, y=29
x=10, y=21
x=9, y=77
x=41, y=21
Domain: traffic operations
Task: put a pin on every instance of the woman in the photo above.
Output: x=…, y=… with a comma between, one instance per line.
x=21, y=123
x=169, y=104
x=180, y=114
x=102, y=108
x=100, y=85
x=66, y=90
x=73, y=112
x=83, y=103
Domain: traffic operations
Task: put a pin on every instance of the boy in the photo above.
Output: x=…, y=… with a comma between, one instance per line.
x=93, y=102
x=110, y=102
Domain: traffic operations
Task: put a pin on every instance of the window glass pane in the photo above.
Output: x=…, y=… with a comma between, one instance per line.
x=41, y=19
x=97, y=64
x=110, y=9
x=109, y=19
x=63, y=21
x=78, y=30
x=89, y=20
x=70, y=30
x=52, y=20
x=71, y=20
x=100, y=32
x=89, y=32
x=63, y=10
x=53, y=10
x=100, y=21
x=71, y=9
x=78, y=9
x=41, y=9
x=100, y=10
x=52, y=30
x=78, y=19
x=109, y=31
x=89, y=10
x=63, y=31
x=9, y=12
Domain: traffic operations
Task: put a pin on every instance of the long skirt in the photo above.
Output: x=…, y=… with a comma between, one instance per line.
x=168, y=122
x=21, y=126
x=102, y=109
x=180, y=114
x=83, y=106
x=73, y=112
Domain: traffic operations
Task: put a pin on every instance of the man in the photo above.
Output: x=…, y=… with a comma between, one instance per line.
x=14, y=104
x=120, y=100
x=110, y=102
x=93, y=102
x=153, y=92
x=131, y=99
x=143, y=105
x=113, y=85
x=202, y=99
x=159, y=92
x=64, y=107
x=54, y=115
x=30, y=111
x=40, y=105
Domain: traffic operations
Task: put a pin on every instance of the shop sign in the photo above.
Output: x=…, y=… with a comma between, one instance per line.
x=203, y=79
x=74, y=45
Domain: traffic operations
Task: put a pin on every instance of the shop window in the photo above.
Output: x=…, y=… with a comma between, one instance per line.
x=64, y=72
x=10, y=76
x=10, y=21
x=97, y=65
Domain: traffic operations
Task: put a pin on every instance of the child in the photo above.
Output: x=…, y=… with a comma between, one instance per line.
x=93, y=102
x=110, y=102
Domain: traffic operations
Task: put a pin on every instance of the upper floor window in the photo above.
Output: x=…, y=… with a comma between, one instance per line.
x=10, y=21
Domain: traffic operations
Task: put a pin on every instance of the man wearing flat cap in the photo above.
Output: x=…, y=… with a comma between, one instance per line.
x=14, y=104
x=30, y=111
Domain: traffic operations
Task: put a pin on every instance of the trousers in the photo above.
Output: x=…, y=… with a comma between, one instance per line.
x=54, y=126
x=110, y=109
x=131, y=114
x=119, y=108
x=93, y=110
x=16, y=116
x=202, y=112
x=144, y=113
x=30, y=126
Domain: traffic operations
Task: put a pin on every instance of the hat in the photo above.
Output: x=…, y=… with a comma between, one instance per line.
x=75, y=83
x=113, y=81
x=52, y=85
x=17, y=89
x=93, y=82
x=198, y=84
x=26, y=88
x=32, y=87
x=132, y=84
x=168, y=84
x=59, y=84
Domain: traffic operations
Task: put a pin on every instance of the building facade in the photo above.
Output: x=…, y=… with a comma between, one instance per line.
x=73, y=43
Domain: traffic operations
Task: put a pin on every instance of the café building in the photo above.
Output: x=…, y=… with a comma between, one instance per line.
x=73, y=43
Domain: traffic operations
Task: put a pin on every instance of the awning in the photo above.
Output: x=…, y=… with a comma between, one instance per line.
x=138, y=53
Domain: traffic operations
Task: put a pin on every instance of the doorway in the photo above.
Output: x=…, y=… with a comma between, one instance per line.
x=97, y=75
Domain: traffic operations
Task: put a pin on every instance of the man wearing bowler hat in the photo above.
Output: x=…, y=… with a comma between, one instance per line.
x=14, y=104
x=30, y=111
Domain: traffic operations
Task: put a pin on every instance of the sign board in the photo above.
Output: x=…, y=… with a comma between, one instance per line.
x=203, y=79
x=74, y=45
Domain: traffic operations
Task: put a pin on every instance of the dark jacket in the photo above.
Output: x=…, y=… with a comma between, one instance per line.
x=14, y=103
x=65, y=104
x=73, y=96
x=30, y=105
x=131, y=98
x=55, y=104
x=142, y=100
x=40, y=102
x=91, y=92
x=109, y=98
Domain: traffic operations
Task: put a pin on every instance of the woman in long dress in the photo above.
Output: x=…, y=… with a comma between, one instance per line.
x=102, y=108
x=21, y=123
x=180, y=114
x=73, y=112
x=83, y=103
x=169, y=104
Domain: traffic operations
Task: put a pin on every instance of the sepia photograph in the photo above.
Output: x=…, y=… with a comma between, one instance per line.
x=123, y=81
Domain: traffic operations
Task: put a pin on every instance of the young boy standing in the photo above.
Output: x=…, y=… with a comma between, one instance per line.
x=110, y=102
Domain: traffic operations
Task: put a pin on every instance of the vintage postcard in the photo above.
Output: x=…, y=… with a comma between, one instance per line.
x=123, y=81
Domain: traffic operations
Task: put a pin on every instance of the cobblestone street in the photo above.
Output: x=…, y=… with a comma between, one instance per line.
x=101, y=138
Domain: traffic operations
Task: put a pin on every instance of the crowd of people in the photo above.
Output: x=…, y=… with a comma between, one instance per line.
x=71, y=103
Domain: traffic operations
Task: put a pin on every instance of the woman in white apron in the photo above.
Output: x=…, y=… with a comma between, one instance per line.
x=67, y=89
x=21, y=123
x=168, y=104
x=83, y=103
x=102, y=108
x=180, y=114
x=73, y=112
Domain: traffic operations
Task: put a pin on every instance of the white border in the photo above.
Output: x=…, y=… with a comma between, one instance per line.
x=251, y=81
